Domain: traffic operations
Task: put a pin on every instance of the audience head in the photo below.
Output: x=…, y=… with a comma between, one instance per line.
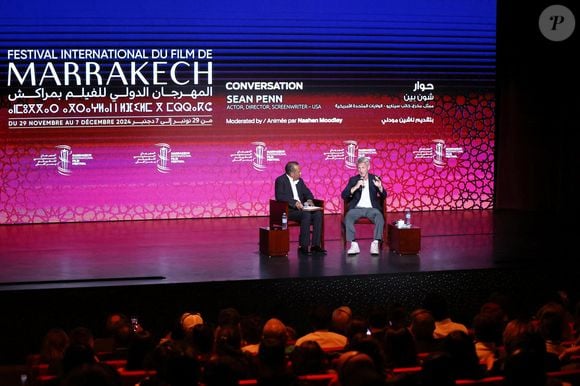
x=358, y=329
x=494, y=310
x=486, y=328
x=371, y=347
x=532, y=342
x=251, y=329
x=115, y=321
x=309, y=358
x=552, y=322
x=399, y=348
x=81, y=336
x=559, y=296
x=228, y=341
x=357, y=369
x=275, y=329
x=202, y=339
x=505, y=303
x=291, y=333
x=229, y=317
x=273, y=367
x=189, y=320
x=464, y=359
x=54, y=345
x=174, y=366
x=422, y=324
x=77, y=355
x=118, y=326
x=397, y=317
x=516, y=332
x=341, y=318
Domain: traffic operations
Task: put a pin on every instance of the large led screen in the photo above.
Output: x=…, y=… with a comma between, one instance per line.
x=130, y=110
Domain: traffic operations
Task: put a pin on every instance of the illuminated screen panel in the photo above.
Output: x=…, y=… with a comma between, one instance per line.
x=147, y=111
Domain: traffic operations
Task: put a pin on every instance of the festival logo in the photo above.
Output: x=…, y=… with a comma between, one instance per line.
x=259, y=156
x=64, y=157
x=349, y=153
x=163, y=158
x=63, y=160
x=439, y=153
x=258, y=161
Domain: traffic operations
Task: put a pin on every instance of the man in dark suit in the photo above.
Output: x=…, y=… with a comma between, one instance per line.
x=291, y=188
x=365, y=193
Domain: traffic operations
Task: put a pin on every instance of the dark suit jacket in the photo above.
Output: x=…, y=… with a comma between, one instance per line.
x=376, y=195
x=283, y=191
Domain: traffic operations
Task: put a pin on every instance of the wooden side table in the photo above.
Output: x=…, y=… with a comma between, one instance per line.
x=404, y=241
x=274, y=242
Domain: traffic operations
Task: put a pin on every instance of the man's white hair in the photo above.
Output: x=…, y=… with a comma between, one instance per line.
x=360, y=160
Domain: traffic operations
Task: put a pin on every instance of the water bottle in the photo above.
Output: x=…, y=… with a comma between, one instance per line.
x=408, y=217
x=284, y=221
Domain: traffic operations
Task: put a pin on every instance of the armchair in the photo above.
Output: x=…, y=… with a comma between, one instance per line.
x=363, y=220
x=279, y=207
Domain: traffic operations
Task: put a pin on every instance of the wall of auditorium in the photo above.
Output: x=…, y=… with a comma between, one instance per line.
x=537, y=166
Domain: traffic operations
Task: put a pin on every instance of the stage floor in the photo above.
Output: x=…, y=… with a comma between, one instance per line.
x=71, y=255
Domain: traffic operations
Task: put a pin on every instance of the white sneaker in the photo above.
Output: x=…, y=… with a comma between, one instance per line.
x=354, y=249
x=375, y=247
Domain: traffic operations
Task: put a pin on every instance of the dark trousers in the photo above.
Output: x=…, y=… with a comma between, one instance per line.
x=306, y=219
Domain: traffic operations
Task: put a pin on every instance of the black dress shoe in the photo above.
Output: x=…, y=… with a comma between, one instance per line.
x=318, y=250
x=304, y=251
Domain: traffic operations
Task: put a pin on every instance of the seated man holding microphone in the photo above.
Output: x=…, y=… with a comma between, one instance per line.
x=365, y=193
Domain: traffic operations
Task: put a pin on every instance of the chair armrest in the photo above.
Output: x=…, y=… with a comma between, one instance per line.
x=345, y=203
x=319, y=203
